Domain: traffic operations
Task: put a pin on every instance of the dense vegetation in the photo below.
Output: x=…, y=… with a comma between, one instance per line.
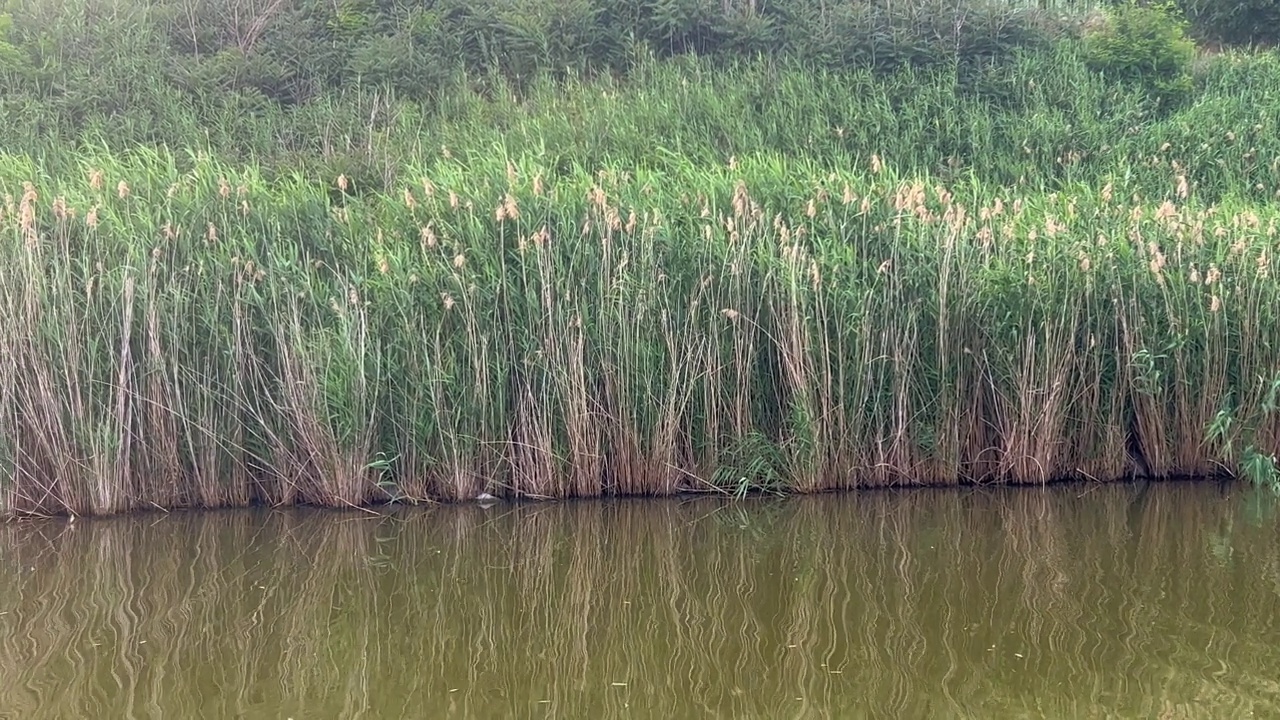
x=1023, y=251
x=287, y=81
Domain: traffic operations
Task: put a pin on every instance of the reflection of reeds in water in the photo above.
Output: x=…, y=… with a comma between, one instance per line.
x=1068, y=603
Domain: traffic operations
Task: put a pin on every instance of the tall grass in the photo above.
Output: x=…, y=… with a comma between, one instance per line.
x=553, y=315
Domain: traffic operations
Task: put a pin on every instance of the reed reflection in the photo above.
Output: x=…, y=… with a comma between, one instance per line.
x=1072, y=602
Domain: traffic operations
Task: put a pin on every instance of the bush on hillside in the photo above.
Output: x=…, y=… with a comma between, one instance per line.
x=1146, y=45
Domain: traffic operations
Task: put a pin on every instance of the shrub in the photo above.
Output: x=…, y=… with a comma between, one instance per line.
x=1146, y=45
x=1235, y=21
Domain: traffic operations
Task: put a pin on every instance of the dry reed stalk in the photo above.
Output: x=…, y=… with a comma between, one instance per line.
x=1148, y=440
x=316, y=464
x=534, y=464
x=1032, y=426
x=897, y=460
x=159, y=424
x=245, y=481
x=1099, y=409
x=584, y=434
x=795, y=346
x=1196, y=399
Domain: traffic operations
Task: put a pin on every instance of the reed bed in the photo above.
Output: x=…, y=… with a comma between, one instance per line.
x=196, y=334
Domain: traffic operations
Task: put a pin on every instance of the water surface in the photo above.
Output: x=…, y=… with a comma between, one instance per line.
x=1072, y=602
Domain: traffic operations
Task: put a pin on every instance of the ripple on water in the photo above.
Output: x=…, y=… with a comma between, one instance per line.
x=1075, y=601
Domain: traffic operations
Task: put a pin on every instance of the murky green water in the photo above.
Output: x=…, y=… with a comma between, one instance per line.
x=1076, y=602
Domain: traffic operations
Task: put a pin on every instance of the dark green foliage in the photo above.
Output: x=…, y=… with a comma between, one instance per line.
x=1145, y=45
x=1236, y=21
x=12, y=62
x=141, y=69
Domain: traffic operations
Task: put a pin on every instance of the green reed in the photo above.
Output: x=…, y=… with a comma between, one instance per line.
x=206, y=336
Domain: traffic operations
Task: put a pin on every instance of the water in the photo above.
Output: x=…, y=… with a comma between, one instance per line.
x=1075, y=602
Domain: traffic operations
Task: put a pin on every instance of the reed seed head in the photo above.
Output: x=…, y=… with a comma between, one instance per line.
x=986, y=236
x=1052, y=228
x=1157, y=263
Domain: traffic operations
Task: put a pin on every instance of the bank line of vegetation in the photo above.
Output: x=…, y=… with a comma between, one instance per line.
x=702, y=274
